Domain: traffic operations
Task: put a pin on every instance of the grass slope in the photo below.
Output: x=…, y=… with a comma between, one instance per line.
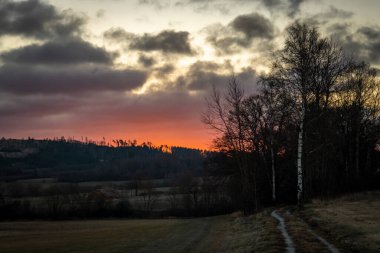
x=353, y=221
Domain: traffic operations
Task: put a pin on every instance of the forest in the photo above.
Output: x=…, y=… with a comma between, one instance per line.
x=70, y=160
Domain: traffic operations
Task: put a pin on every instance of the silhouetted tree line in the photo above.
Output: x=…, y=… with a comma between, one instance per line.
x=41, y=179
x=187, y=196
x=61, y=202
x=312, y=130
x=198, y=196
x=74, y=161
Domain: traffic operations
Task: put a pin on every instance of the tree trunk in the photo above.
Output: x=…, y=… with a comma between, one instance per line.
x=273, y=171
x=299, y=158
x=357, y=151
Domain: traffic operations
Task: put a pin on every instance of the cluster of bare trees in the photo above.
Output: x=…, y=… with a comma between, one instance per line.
x=60, y=201
x=197, y=196
x=315, y=121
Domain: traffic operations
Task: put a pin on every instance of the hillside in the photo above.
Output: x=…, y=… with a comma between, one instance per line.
x=74, y=161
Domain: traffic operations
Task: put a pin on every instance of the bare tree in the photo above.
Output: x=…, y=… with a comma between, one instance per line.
x=147, y=195
x=173, y=198
x=360, y=95
x=267, y=115
x=54, y=201
x=225, y=116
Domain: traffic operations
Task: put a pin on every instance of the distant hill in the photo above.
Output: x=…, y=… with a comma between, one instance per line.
x=74, y=161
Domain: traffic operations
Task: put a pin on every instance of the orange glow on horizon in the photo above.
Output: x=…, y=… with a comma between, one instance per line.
x=202, y=142
x=187, y=142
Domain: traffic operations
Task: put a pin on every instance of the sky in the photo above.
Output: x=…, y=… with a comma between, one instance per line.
x=141, y=69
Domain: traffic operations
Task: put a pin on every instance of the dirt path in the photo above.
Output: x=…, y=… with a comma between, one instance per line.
x=298, y=235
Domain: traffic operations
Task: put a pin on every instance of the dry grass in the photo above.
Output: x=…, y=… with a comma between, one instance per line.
x=203, y=235
x=353, y=220
x=269, y=239
x=81, y=236
x=304, y=240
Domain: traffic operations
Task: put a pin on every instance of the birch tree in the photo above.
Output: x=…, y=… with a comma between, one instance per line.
x=308, y=67
x=277, y=109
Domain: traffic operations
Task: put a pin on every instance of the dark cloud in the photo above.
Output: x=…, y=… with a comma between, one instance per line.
x=146, y=61
x=58, y=52
x=202, y=75
x=225, y=40
x=374, y=52
x=118, y=34
x=16, y=106
x=338, y=30
x=372, y=42
x=158, y=4
x=220, y=6
x=167, y=41
x=164, y=70
x=294, y=6
x=331, y=14
x=34, y=18
x=290, y=7
x=335, y=13
x=371, y=33
x=27, y=79
x=271, y=3
x=363, y=43
x=253, y=26
x=240, y=33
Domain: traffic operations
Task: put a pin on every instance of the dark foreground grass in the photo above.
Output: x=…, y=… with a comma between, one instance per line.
x=215, y=234
x=353, y=221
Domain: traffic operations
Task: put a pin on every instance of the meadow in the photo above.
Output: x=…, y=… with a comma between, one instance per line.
x=350, y=223
x=214, y=234
x=352, y=220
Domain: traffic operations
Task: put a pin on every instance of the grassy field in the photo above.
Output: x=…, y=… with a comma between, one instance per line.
x=353, y=221
x=214, y=234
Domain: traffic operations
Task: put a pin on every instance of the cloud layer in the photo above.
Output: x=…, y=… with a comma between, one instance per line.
x=35, y=18
x=72, y=51
x=61, y=76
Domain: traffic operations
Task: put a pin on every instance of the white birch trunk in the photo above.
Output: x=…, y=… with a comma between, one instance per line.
x=299, y=157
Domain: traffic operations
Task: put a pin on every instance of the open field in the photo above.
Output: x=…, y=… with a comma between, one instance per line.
x=214, y=234
x=350, y=224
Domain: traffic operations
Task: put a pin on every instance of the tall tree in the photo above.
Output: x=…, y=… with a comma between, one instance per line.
x=225, y=115
x=308, y=67
x=360, y=97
